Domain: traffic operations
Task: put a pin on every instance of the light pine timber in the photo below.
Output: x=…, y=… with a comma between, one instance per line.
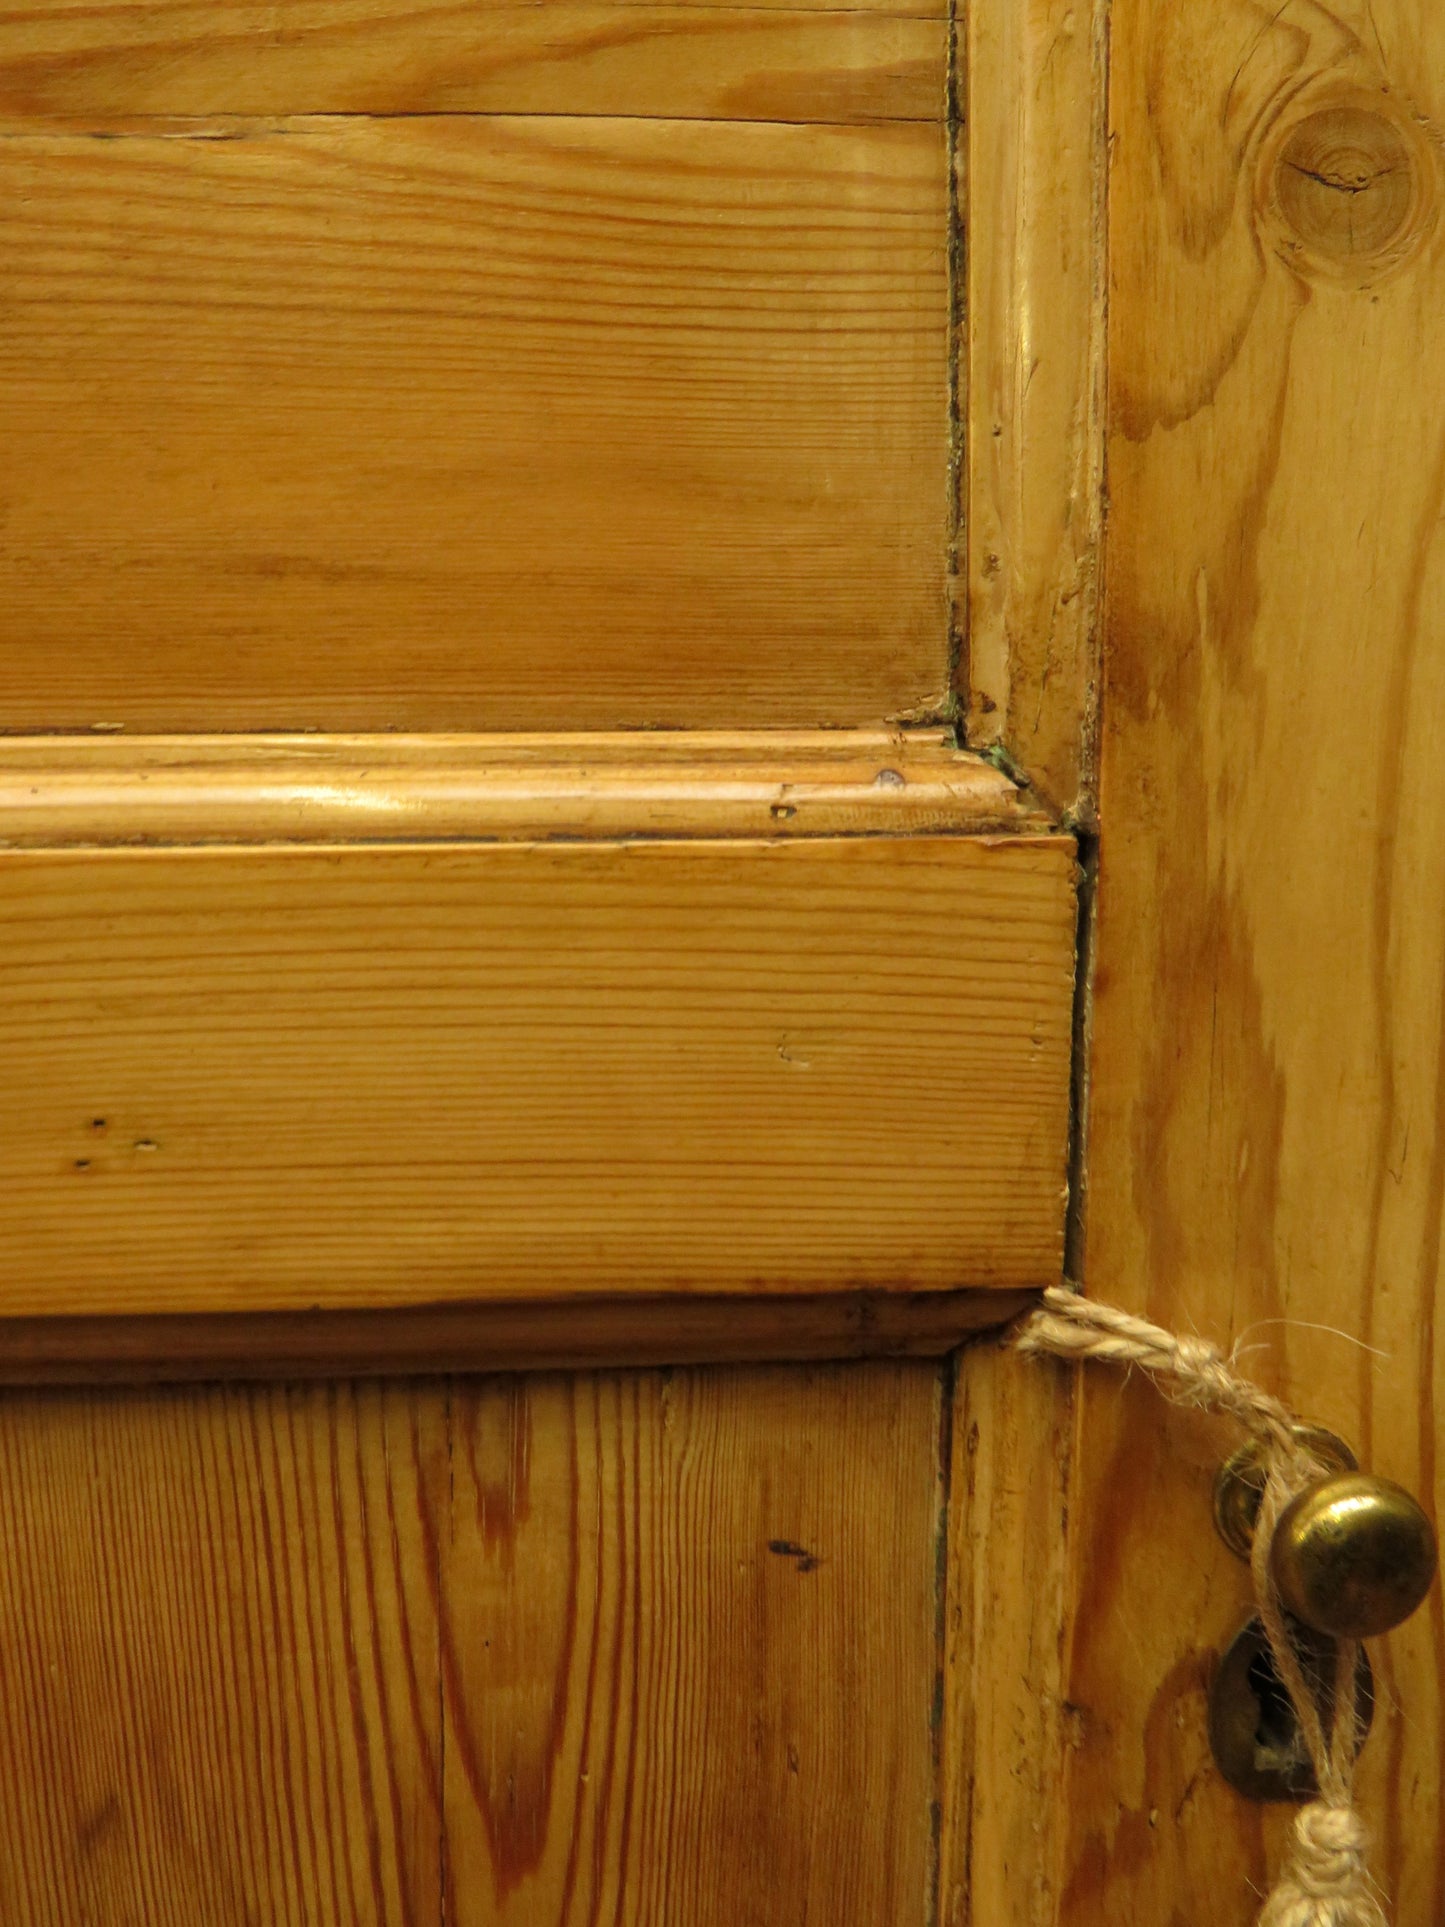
x=1031, y=159
x=1031, y=164
x=757, y=62
x=271, y=1078
x=452, y=422
x=1267, y=1140
x=123, y=790
x=639, y=1649
x=1008, y=1730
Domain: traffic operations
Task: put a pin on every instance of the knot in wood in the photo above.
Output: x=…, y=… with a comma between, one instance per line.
x=1348, y=190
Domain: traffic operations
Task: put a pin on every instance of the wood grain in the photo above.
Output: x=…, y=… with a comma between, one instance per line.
x=1008, y=1728
x=711, y=1539
x=268, y=1079
x=1268, y=1130
x=116, y=791
x=548, y=1649
x=757, y=62
x=220, y=1638
x=1032, y=166
x=459, y=423
x=1031, y=160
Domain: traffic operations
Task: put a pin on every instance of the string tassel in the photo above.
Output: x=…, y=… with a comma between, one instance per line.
x=1326, y=1882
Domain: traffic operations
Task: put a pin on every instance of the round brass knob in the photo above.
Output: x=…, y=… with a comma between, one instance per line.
x=1353, y=1556
x=1239, y=1489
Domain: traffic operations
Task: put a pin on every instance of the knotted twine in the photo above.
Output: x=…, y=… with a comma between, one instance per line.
x=1326, y=1881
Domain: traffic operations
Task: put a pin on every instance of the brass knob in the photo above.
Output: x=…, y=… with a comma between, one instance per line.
x=1353, y=1556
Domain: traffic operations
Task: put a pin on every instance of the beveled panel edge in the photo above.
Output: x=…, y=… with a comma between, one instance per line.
x=577, y=1333
x=124, y=791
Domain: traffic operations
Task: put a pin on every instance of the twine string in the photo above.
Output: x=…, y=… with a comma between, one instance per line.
x=1326, y=1879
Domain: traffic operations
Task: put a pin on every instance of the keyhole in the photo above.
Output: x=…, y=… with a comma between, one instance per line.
x=1278, y=1743
x=1253, y=1733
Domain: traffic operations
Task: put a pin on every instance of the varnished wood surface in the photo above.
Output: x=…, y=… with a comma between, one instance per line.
x=1031, y=158
x=102, y=791
x=459, y=422
x=265, y=1079
x=554, y=1332
x=604, y=1649
x=1009, y=1729
x=756, y=62
x=1267, y=1151
x=1031, y=161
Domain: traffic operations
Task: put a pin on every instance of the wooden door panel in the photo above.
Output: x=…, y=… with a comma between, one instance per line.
x=221, y=1678
x=400, y=368
x=269, y=1078
x=453, y=421
x=508, y=1651
x=785, y=62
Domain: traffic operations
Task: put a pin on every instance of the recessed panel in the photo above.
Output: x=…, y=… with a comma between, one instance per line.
x=472, y=422
x=270, y=1078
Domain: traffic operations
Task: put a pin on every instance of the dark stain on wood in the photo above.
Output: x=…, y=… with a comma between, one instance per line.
x=804, y=1560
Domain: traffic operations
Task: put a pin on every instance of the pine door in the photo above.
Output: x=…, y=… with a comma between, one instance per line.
x=603, y=873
